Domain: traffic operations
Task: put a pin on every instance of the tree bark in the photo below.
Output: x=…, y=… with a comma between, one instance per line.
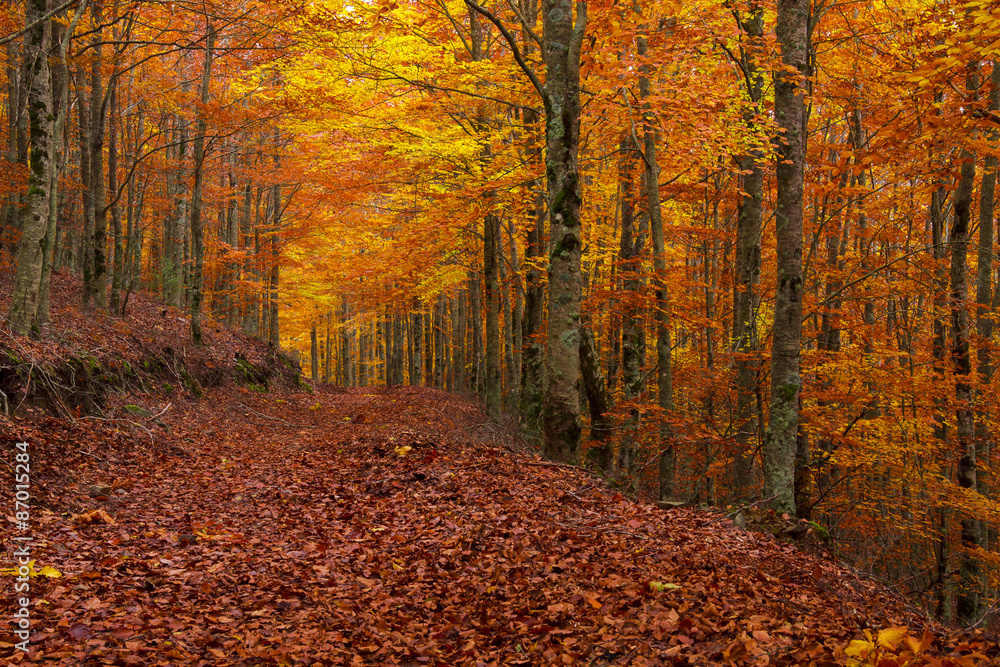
x=633, y=330
x=746, y=295
x=491, y=292
x=561, y=403
x=197, y=228
x=967, y=601
x=98, y=113
x=313, y=354
x=984, y=288
x=118, y=262
x=790, y=113
x=35, y=217
x=661, y=306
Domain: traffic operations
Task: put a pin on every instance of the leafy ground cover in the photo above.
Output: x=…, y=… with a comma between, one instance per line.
x=391, y=526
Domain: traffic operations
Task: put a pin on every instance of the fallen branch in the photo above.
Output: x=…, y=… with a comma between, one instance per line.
x=732, y=515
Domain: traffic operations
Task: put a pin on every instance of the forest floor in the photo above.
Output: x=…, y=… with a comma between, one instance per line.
x=226, y=525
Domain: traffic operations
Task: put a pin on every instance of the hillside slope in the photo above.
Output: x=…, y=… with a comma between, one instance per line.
x=381, y=526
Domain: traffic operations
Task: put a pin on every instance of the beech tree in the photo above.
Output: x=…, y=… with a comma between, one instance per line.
x=792, y=29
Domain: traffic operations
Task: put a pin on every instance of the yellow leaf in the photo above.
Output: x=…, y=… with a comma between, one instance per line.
x=859, y=648
x=404, y=450
x=891, y=637
x=47, y=571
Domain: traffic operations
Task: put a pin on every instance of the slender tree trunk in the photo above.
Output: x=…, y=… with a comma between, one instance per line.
x=417, y=336
x=598, y=399
x=273, y=338
x=477, y=364
x=664, y=376
x=938, y=345
x=514, y=331
x=118, y=264
x=633, y=330
x=197, y=228
x=99, y=275
x=398, y=347
x=746, y=296
x=430, y=348
x=984, y=296
x=440, y=372
x=967, y=602
x=790, y=112
x=491, y=293
x=507, y=338
x=328, y=357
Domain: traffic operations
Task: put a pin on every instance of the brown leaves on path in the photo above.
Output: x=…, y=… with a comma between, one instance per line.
x=382, y=526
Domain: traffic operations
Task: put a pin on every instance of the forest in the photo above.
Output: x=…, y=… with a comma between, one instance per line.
x=721, y=253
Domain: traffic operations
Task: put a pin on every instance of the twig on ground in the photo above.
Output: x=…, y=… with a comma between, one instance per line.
x=742, y=509
x=160, y=413
x=982, y=619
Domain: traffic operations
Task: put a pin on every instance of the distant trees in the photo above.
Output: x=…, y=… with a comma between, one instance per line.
x=129, y=159
x=679, y=241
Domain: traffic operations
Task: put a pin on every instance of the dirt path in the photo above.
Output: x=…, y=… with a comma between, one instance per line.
x=375, y=526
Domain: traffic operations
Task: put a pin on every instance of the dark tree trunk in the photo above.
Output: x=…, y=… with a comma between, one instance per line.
x=967, y=601
x=746, y=296
x=491, y=292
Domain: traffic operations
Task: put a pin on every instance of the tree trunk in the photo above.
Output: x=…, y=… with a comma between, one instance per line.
x=417, y=336
x=35, y=217
x=328, y=357
x=598, y=400
x=967, y=601
x=477, y=362
x=664, y=377
x=273, y=339
x=99, y=275
x=984, y=296
x=561, y=403
x=746, y=296
x=633, y=331
x=491, y=292
x=514, y=341
x=790, y=113
x=313, y=354
x=507, y=392
x=197, y=228
x=398, y=344
x=118, y=263
x=59, y=71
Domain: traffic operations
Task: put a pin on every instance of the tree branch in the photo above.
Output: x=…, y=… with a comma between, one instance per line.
x=14, y=35
x=492, y=18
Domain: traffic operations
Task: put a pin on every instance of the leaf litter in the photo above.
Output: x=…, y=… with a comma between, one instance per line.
x=388, y=526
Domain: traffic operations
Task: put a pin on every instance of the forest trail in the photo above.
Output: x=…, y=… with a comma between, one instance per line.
x=196, y=519
x=393, y=526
